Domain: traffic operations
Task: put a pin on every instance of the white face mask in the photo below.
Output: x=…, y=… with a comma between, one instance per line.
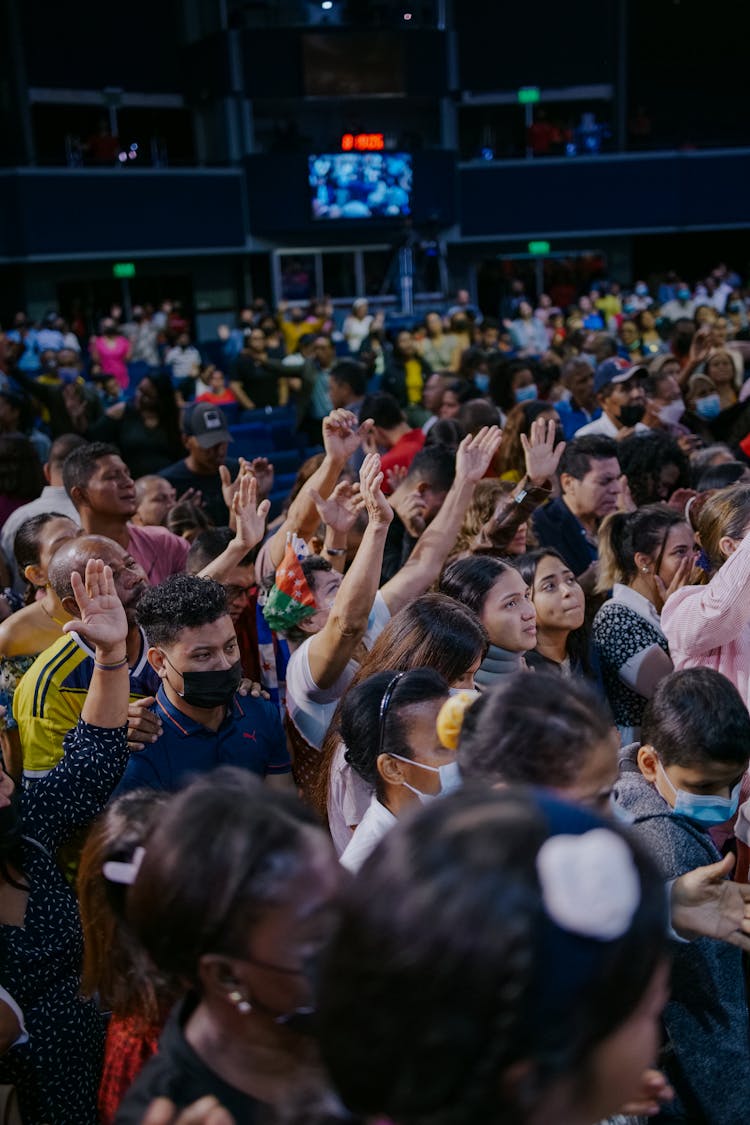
x=450, y=779
x=671, y=413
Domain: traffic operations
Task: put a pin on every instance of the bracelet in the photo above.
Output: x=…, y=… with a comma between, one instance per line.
x=111, y=667
x=335, y=550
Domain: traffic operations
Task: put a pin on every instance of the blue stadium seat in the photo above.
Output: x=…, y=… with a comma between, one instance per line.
x=250, y=440
x=285, y=460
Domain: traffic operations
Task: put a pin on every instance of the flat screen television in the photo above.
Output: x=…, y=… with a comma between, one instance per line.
x=361, y=185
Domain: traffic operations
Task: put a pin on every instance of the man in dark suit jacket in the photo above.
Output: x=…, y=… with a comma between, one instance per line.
x=590, y=481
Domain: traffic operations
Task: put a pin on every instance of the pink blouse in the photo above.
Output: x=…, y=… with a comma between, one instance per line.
x=111, y=352
x=709, y=626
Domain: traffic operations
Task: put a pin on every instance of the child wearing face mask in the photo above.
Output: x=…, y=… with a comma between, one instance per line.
x=679, y=784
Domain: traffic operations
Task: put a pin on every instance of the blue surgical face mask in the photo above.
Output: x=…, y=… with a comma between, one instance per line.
x=450, y=778
x=708, y=811
x=527, y=394
x=482, y=382
x=708, y=407
x=683, y=294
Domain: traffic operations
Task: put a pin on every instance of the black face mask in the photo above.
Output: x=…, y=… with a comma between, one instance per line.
x=210, y=689
x=632, y=414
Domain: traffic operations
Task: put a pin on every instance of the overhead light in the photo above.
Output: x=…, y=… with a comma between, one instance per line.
x=407, y=16
x=327, y=5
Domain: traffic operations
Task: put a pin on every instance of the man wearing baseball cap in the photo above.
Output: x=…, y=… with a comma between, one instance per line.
x=619, y=391
x=206, y=438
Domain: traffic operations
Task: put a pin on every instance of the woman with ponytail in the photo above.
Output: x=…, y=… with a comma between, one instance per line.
x=644, y=556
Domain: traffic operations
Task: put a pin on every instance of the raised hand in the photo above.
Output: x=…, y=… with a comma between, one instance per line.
x=341, y=508
x=191, y=496
x=342, y=436
x=683, y=576
x=379, y=511
x=625, y=501
x=102, y=622
x=206, y=1111
x=474, y=454
x=410, y=508
x=249, y=516
x=396, y=476
x=263, y=471
x=540, y=452
x=229, y=487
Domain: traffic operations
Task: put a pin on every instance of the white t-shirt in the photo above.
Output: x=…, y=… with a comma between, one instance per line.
x=311, y=708
x=22, y=1032
x=348, y=798
x=376, y=822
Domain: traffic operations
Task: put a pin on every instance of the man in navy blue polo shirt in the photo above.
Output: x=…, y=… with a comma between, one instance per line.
x=193, y=649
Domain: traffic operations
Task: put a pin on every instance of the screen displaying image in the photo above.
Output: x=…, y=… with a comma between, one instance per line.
x=360, y=185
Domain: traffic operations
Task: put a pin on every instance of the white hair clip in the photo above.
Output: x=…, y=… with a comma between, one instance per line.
x=123, y=873
x=590, y=884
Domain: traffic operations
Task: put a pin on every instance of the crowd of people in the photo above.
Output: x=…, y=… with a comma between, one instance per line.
x=423, y=798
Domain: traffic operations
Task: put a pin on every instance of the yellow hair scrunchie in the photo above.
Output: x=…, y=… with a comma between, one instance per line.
x=451, y=716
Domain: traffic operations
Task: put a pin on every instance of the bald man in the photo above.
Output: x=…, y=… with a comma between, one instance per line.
x=49, y=698
x=154, y=497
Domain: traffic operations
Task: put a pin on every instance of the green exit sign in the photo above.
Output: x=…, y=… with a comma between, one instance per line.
x=123, y=269
x=527, y=95
x=539, y=248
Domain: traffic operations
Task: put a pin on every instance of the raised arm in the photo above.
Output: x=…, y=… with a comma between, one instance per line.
x=341, y=438
x=423, y=567
x=332, y=648
x=96, y=750
x=250, y=525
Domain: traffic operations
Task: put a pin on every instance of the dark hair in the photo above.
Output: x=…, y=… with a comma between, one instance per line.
x=643, y=456
x=435, y=466
x=115, y=967
x=167, y=409
x=80, y=464
x=432, y=631
x=445, y=937
x=546, y=737
x=502, y=374
x=209, y=545
x=28, y=539
x=721, y=475
x=186, y=516
x=61, y=447
x=351, y=373
x=697, y=715
x=384, y=411
x=579, y=453
x=219, y=855
x=360, y=723
x=577, y=645
x=21, y=476
x=181, y=601
x=622, y=535
x=470, y=580
x=476, y=413
x=446, y=433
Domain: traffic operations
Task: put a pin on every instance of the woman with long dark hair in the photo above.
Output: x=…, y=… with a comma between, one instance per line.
x=146, y=430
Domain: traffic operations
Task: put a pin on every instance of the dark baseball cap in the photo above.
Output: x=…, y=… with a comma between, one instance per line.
x=615, y=370
x=207, y=424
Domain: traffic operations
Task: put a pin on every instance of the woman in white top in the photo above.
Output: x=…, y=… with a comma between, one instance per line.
x=644, y=556
x=434, y=631
x=389, y=724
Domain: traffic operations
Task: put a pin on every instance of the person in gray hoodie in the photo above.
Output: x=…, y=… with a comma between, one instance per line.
x=679, y=783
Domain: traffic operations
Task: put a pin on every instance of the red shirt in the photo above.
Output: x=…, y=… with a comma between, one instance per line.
x=401, y=455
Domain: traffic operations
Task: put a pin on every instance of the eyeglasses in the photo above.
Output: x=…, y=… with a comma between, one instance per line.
x=384, y=705
x=234, y=592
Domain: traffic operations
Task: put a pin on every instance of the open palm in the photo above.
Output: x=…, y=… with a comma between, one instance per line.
x=102, y=622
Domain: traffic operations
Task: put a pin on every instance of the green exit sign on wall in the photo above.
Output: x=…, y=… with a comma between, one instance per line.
x=539, y=247
x=527, y=95
x=123, y=269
